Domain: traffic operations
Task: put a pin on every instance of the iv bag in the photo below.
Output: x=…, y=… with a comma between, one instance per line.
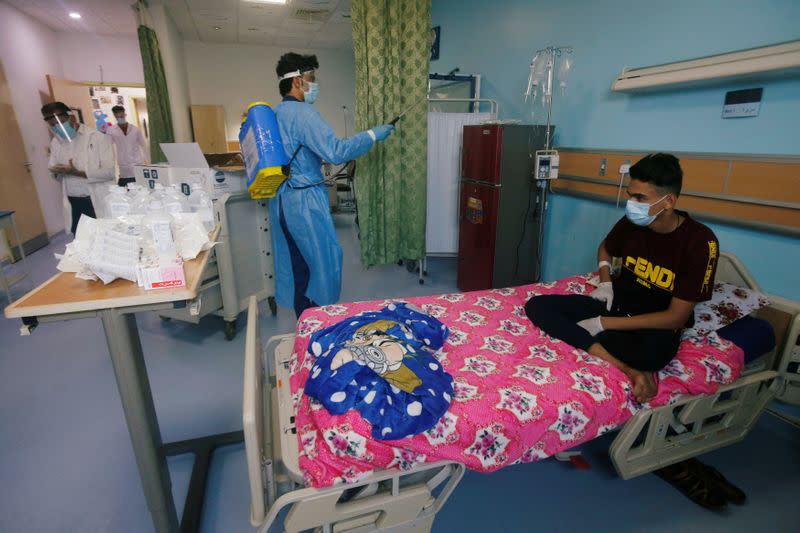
x=563, y=72
x=540, y=68
x=531, y=89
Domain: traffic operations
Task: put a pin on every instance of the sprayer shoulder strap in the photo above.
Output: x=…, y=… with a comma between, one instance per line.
x=289, y=164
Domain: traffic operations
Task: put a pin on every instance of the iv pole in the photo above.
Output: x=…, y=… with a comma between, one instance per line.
x=551, y=55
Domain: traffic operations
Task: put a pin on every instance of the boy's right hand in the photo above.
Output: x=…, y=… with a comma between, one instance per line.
x=605, y=293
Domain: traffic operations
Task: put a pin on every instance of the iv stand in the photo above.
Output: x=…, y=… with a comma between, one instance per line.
x=552, y=55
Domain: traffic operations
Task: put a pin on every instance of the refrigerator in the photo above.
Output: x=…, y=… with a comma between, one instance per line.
x=501, y=209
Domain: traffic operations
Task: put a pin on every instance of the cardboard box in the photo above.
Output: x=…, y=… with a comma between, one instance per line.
x=229, y=174
x=188, y=165
x=148, y=175
x=227, y=180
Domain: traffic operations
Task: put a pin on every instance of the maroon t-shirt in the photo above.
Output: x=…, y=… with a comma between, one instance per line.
x=658, y=266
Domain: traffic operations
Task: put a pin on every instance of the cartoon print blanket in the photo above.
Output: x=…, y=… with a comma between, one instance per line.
x=519, y=395
x=380, y=364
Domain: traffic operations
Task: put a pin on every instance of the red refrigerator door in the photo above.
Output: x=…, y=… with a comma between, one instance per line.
x=476, y=235
x=480, y=153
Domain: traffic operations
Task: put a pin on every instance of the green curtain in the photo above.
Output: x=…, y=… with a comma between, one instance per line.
x=392, y=50
x=155, y=83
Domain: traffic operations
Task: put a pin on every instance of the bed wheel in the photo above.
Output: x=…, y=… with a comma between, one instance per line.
x=230, y=329
x=422, y=282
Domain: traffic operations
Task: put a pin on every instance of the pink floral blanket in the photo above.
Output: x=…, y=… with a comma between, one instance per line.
x=520, y=395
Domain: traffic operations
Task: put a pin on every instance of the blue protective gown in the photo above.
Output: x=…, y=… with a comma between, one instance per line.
x=303, y=200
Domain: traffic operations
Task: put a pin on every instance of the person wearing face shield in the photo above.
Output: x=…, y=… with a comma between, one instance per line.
x=308, y=259
x=82, y=159
x=669, y=261
x=131, y=146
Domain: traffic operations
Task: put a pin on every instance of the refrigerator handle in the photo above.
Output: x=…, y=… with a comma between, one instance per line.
x=460, y=160
x=463, y=155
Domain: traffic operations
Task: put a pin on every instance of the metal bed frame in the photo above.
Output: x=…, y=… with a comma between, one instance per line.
x=390, y=500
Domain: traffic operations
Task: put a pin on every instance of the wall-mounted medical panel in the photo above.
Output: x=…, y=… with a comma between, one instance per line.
x=757, y=191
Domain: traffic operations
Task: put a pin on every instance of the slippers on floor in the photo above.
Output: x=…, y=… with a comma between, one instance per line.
x=695, y=486
x=732, y=493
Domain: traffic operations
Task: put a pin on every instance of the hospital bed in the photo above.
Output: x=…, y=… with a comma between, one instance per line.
x=392, y=500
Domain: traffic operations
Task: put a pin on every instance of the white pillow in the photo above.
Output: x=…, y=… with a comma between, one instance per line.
x=728, y=303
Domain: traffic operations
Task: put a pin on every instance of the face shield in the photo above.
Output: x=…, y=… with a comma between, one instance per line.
x=309, y=82
x=60, y=126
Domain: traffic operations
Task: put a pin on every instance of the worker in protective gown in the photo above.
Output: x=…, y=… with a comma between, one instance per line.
x=308, y=258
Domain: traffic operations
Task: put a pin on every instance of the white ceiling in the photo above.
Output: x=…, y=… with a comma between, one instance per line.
x=239, y=21
x=298, y=23
x=105, y=17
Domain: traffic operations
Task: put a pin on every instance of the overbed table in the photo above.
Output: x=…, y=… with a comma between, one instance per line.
x=65, y=297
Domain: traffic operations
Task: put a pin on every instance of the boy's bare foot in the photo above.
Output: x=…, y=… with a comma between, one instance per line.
x=644, y=386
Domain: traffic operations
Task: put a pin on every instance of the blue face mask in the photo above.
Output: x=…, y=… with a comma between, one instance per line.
x=310, y=96
x=65, y=131
x=638, y=212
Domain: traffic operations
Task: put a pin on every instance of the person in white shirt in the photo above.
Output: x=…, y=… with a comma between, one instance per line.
x=82, y=159
x=131, y=147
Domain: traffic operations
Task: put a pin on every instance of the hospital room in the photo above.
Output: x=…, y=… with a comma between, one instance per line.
x=399, y=265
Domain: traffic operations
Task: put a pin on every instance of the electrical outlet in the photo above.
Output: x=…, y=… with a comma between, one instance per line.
x=603, y=166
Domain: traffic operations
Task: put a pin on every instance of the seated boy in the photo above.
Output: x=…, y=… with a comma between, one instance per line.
x=668, y=265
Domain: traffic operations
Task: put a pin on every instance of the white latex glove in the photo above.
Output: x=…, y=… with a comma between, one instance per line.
x=605, y=293
x=593, y=325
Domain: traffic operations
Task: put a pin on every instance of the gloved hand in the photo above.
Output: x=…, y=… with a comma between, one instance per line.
x=593, y=325
x=382, y=132
x=605, y=293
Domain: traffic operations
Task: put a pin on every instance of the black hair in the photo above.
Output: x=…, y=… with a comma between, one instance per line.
x=290, y=62
x=117, y=109
x=54, y=108
x=663, y=171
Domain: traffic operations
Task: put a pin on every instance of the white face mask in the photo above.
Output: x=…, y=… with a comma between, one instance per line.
x=639, y=212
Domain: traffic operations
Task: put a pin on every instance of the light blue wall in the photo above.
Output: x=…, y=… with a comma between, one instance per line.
x=577, y=225
x=497, y=40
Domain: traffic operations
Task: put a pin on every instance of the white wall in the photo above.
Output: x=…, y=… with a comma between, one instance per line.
x=81, y=55
x=172, y=55
x=234, y=75
x=29, y=51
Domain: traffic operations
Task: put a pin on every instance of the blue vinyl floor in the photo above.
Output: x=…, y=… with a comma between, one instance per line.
x=67, y=465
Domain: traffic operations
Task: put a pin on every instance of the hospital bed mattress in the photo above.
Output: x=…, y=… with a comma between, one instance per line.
x=520, y=395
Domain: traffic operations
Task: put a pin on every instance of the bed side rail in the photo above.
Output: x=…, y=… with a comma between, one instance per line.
x=386, y=500
x=262, y=450
x=784, y=315
x=655, y=438
x=256, y=432
x=389, y=500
